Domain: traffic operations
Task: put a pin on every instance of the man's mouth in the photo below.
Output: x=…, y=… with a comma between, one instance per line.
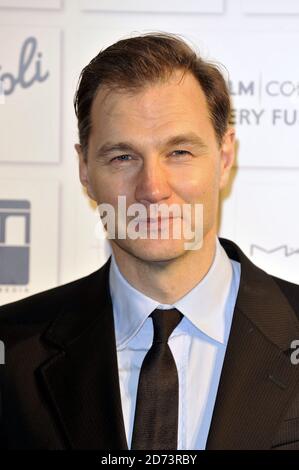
x=155, y=220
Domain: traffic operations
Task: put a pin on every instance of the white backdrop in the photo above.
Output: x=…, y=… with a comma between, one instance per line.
x=46, y=221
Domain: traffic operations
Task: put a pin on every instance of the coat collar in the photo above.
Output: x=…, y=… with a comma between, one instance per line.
x=257, y=381
x=262, y=302
x=81, y=380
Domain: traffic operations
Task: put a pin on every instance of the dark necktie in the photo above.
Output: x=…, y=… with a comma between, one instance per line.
x=156, y=412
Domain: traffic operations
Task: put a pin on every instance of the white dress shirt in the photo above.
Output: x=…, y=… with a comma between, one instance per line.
x=198, y=343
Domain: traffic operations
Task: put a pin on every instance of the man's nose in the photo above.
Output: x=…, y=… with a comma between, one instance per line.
x=152, y=184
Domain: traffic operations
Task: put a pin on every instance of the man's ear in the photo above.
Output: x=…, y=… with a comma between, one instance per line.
x=227, y=156
x=83, y=171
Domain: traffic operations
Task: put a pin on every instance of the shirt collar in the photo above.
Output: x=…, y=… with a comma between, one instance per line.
x=204, y=305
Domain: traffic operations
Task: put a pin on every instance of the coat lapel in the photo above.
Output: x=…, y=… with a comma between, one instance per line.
x=81, y=380
x=258, y=379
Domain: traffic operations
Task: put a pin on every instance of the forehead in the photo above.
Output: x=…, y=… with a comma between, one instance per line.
x=177, y=96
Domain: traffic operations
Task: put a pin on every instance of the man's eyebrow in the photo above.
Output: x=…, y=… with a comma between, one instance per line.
x=109, y=147
x=181, y=139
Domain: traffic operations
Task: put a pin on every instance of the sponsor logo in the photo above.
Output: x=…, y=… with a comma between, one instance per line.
x=29, y=69
x=283, y=249
x=14, y=258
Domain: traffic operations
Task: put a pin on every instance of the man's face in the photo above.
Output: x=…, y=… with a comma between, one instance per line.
x=152, y=167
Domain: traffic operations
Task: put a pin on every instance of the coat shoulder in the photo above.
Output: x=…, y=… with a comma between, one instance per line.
x=30, y=316
x=37, y=306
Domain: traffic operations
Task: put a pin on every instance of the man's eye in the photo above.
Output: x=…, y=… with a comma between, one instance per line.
x=121, y=158
x=181, y=152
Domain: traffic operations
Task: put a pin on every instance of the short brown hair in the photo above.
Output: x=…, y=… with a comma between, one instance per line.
x=132, y=63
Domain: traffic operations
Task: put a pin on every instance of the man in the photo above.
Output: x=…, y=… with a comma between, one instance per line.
x=163, y=347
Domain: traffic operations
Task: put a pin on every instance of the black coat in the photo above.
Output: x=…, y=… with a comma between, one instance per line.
x=59, y=384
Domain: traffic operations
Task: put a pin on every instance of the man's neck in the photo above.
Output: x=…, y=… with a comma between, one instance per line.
x=169, y=281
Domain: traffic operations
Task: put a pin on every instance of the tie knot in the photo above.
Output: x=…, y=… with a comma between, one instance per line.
x=164, y=322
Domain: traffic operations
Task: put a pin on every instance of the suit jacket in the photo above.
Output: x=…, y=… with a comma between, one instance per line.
x=60, y=388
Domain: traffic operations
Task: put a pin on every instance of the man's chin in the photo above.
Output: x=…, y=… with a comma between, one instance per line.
x=154, y=250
